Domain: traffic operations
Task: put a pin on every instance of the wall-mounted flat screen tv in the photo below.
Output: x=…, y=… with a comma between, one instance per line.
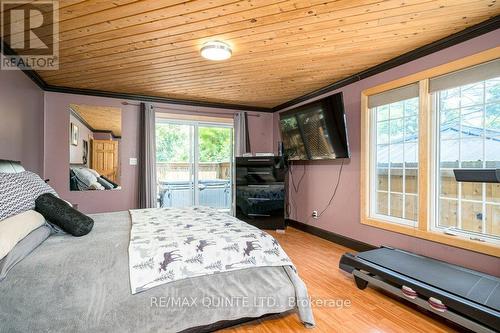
x=316, y=131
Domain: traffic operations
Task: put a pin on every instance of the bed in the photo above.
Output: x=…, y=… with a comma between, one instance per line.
x=82, y=285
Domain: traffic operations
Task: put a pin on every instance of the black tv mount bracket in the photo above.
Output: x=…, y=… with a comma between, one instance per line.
x=477, y=175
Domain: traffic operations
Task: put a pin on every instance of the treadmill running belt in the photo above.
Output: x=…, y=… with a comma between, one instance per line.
x=474, y=286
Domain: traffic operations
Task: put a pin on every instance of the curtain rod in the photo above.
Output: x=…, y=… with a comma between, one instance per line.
x=206, y=113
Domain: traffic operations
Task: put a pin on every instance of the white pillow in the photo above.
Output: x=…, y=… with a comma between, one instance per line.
x=85, y=176
x=95, y=173
x=13, y=229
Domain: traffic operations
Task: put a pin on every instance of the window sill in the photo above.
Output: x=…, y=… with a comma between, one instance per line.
x=456, y=241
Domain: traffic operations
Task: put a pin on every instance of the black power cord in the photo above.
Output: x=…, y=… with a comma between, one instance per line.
x=335, y=190
x=333, y=194
x=296, y=188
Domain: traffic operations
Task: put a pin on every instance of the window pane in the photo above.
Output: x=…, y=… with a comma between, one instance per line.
x=396, y=155
x=383, y=133
x=472, y=191
x=382, y=180
x=411, y=129
x=396, y=180
x=449, y=154
x=471, y=153
x=382, y=156
x=397, y=130
x=411, y=207
x=448, y=213
x=472, y=94
x=449, y=186
x=472, y=122
x=396, y=205
x=411, y=155
x=472, y=216
x=449, y=99
x=493, y=90
x=411, y=107
x=492, y=152
x=493, y=219
x=396, y=110
x=450, y=124
x=411, y=183
x=492, y=119
x=493, y=192
x=383, y=112
x=382, y=203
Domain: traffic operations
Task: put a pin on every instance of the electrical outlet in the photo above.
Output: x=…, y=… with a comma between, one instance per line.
x=315, y=214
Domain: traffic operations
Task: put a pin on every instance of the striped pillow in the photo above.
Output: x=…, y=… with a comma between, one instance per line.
x=18, y=192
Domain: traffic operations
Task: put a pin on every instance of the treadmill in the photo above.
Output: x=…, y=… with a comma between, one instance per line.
x=466, y=297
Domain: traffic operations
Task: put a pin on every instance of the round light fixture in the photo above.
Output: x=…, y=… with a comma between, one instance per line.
x=216, y=50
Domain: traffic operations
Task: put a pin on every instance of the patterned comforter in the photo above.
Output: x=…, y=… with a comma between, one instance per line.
x=169, y=244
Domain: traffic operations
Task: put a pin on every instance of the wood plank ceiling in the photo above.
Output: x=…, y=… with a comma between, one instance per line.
x=100, y=118
x=282, y=49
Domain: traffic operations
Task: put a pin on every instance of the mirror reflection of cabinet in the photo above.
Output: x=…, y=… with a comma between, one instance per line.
x=105, y=158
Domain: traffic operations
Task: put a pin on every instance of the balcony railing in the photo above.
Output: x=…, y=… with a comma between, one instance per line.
x=182, y=171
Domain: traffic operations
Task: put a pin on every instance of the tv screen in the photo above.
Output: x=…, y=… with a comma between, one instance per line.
x=315, y=131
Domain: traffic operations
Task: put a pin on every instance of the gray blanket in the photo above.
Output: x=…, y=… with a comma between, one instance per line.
x=82, y=284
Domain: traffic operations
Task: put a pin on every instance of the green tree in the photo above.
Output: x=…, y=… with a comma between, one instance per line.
x=172, y=143
x=215, y=144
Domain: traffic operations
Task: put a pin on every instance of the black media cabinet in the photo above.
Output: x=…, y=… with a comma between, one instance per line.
x=260, y=191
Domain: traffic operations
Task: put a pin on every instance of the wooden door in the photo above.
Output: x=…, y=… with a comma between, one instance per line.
x=105, y=158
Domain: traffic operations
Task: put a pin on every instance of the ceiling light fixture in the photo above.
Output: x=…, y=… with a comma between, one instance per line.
x=216, y=50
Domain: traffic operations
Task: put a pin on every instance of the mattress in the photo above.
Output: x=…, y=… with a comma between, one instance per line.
x=82, y=285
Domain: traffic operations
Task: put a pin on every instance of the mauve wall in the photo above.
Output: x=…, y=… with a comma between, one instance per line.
x=343, y=216
x=21, y=120
x=56, y=143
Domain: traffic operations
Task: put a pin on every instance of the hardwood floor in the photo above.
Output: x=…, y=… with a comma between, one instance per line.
x=371, y=310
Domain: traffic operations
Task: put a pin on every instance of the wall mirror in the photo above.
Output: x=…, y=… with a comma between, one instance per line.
x=94, y=144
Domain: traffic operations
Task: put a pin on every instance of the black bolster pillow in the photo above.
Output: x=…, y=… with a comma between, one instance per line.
x=115, y=185
x=58, y=212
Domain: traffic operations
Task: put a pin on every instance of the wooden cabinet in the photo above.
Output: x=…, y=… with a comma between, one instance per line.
x=105, y=158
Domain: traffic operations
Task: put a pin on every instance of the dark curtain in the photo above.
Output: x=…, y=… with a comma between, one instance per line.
x=147, y=157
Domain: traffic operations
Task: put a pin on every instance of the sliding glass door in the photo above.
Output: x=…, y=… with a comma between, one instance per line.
x=194, y=163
